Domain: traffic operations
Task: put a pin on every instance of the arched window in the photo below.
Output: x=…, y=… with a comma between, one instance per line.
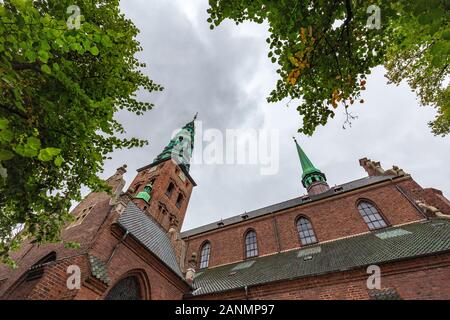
x=204, y=256
x=305, y=231
x=371, y=216
x=251, y=244
x=126, y=289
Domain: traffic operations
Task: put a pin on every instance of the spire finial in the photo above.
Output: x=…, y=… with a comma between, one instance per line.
x=195, y=117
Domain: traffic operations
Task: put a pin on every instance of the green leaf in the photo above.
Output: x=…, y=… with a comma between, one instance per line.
x=30, y=149
x=43, y=56
x=58, y=161
x=72, y=245
x=94, y=51
x=33, y=143
x=4, y=123
x=446, y=35
x=6, y=135
x=48, y=154
x=46, y=69
x=6, y=155
x=106, y=41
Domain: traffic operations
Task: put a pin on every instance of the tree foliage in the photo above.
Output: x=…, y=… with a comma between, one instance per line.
x=60, y=88
x=326, y=48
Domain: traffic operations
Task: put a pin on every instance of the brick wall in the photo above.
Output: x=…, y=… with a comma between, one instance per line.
x=163, y=174
x=431, y=196
x=332, y=218
x=98, y=236
x=128, y=255
x=83, y=234
x=51, y=285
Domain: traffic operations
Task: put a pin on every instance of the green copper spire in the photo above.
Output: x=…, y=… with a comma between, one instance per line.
x=181, y=147
x=310, y=173
x=145, y=195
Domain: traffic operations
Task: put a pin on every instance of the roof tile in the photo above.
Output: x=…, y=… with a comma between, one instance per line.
x=148, y=232
x=344, y=254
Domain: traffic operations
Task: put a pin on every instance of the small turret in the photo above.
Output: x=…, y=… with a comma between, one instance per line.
x=146, y=194
x=312, y=178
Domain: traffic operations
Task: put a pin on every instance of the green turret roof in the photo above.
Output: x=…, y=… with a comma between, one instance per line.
x=310, y=173
x=145, y=195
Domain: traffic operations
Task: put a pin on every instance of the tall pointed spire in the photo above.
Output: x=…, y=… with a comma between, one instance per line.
x=312, y=178
x=181, y=147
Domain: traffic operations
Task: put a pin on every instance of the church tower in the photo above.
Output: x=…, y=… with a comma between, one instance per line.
x=312, y=178
x=163, y=188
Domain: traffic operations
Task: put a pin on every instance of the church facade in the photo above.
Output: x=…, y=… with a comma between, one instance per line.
x=380, y=237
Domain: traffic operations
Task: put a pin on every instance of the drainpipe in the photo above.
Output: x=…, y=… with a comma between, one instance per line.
x=246, y=292
x=411, y=201
x=117, y=245
x=277, y=234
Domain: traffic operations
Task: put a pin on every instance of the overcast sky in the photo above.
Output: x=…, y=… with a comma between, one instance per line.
x=225, y=75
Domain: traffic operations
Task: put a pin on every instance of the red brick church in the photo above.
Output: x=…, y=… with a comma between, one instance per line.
x=316, y=246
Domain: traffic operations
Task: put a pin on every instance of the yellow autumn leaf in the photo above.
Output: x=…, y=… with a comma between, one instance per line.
x=303, y=34
x=294, y=61
x=293, y=76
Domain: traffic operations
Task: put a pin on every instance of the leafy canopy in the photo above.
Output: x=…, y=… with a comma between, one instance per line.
x=60, y=88
x=325, y=49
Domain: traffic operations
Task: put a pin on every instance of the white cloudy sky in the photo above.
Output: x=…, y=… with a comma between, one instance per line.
x=226, y=76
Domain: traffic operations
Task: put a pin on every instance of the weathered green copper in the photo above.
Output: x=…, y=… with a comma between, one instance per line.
x=145, y=195
x=310, y=173
x=181, y=147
